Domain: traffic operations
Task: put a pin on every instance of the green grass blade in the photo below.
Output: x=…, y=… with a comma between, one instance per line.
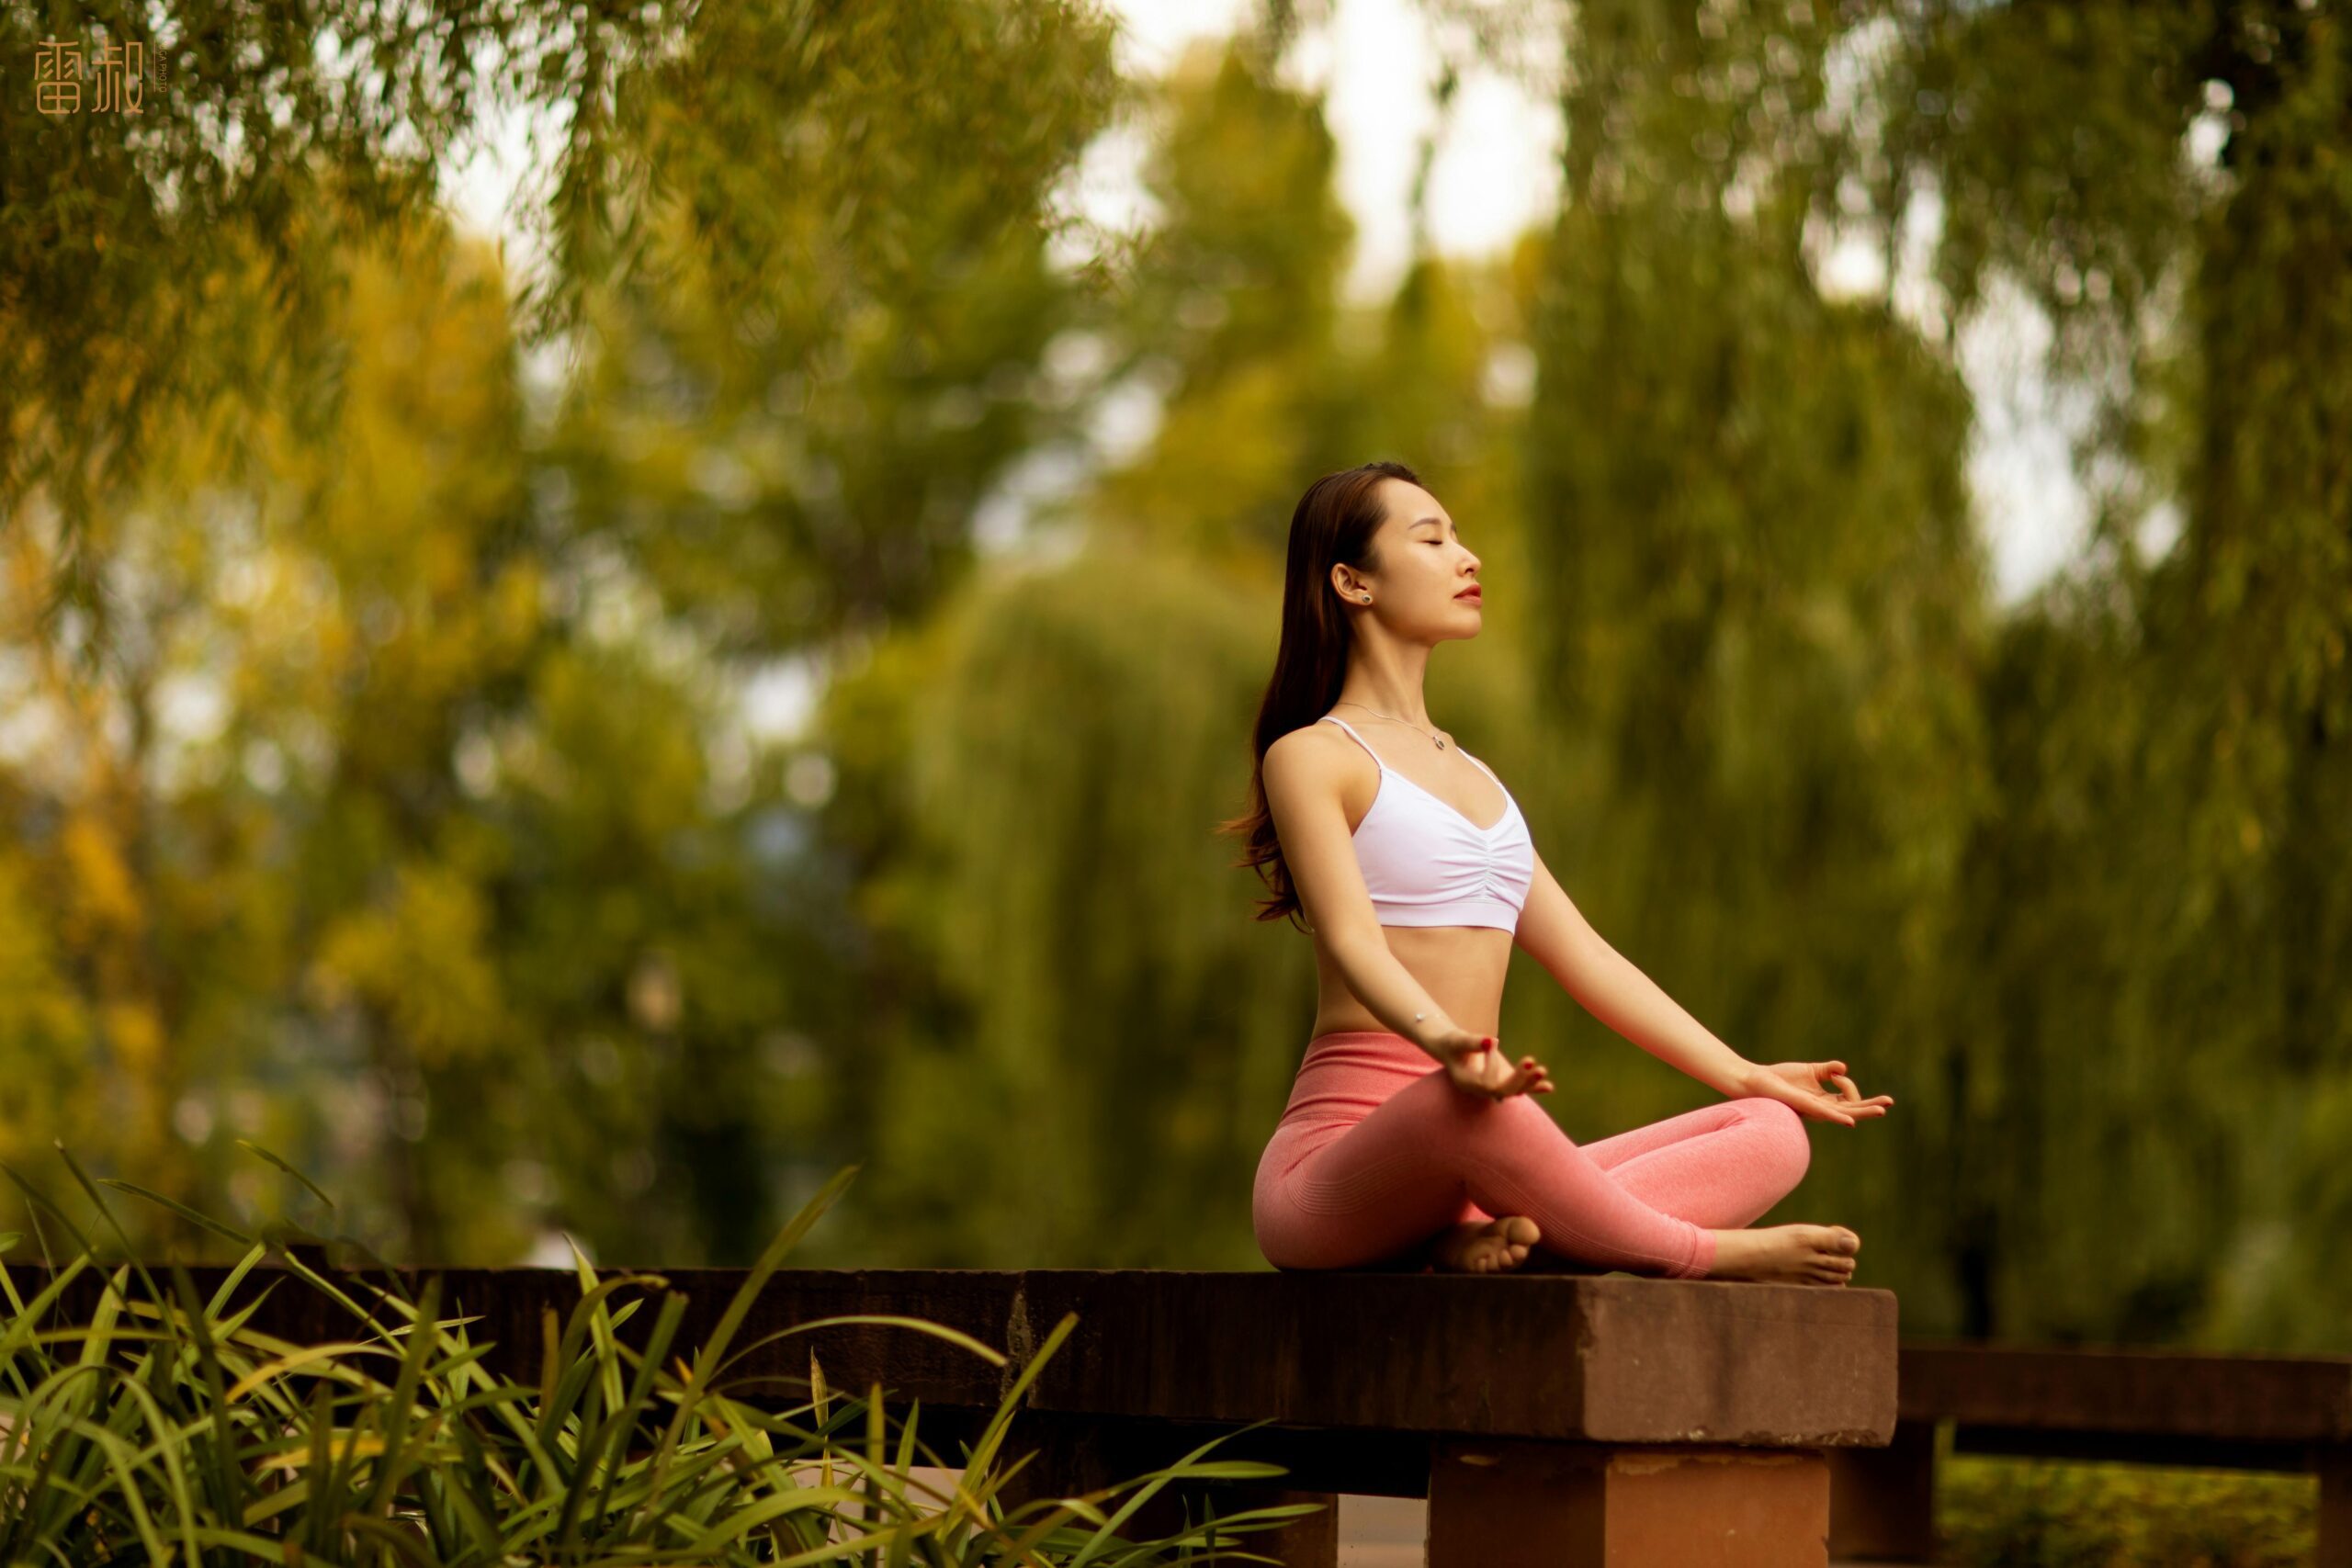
x=254, y=1148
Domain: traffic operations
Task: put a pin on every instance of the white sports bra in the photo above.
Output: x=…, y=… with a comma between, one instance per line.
x=1427, y=864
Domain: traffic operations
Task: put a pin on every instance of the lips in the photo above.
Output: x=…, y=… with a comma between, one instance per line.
x=1472, y=594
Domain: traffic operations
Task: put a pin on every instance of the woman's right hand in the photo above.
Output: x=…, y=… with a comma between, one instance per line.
x=1476, y=1064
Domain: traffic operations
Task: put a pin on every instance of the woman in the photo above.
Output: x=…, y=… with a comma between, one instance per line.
x=1409, y=1139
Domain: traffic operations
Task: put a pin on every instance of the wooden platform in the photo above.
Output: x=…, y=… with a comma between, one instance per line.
x=1560, y=1420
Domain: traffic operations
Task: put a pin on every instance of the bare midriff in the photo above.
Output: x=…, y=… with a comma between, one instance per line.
x=1462, y=967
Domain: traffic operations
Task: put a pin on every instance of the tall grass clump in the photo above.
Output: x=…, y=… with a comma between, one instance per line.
x=162, y=1427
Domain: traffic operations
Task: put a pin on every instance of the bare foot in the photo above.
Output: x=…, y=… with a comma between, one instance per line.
x=1787, y=1255
x=1485, y=1247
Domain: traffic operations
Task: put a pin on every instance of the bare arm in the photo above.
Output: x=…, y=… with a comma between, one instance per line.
x=1554, y=932
x=1303, y=792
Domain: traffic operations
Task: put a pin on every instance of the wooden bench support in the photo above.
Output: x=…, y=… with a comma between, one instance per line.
x=1883, y=1501
x=1595, y=1506
x=2333, y=1547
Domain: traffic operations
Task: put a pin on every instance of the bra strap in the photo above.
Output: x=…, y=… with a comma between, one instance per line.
x=1343, y=724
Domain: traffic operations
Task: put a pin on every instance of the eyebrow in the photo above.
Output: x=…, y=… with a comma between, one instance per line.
x=1418, y=520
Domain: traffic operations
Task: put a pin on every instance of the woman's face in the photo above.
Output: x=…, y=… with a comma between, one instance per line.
x=1427, y=586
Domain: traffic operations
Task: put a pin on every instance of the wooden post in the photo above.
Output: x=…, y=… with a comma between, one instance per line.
x=2334, y=1549
x=1522, y=1504
x=1883, y=1501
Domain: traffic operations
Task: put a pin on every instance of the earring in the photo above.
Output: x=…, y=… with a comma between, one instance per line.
x=1367, y=598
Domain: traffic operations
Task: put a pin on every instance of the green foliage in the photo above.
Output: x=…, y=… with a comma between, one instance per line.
x=2162, y=1018
x=1232, y=315
x=794, y=160
x=1766, y=603
x=476, y=882
x=166, y=1427
x=1993, y=1513
x=1089, y=971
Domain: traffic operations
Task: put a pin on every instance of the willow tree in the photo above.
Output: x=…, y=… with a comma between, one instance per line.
x=835, y=342
x=462, y=850
x=1231, y=314
x=812, y=152
x=1081, y=1038
x=1749, y=524
x=2164, y=182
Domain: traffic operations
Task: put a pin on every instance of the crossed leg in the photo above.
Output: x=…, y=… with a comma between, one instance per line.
x=1722, y=1166
x=1431, y=1156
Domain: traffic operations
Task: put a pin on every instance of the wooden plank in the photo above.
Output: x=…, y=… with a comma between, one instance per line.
x=1560, y=1357
x=2205, y=1395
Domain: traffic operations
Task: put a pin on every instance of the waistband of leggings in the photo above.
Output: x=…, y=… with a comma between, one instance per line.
x=1361, y=1042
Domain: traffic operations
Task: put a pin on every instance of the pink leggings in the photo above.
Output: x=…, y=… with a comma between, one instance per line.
x=1377, y=1153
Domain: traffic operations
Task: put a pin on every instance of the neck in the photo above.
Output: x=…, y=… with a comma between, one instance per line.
x=1388, y=679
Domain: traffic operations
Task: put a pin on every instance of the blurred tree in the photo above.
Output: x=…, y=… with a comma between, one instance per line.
x=2162, y=182
x=1062, y=946
x=1082, y=1038
x=373, y=739
x=790, y=422
x=796, y=155
x=1232, y=322
x=1749, y=527
x=503, y=844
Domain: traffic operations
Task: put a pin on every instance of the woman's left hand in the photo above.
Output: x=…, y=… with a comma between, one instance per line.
x=1799, y=1084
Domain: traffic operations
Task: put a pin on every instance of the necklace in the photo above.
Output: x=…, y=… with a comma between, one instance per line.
x=1392, y=718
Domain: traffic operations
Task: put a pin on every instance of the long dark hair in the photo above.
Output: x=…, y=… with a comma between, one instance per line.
x=1334, y=522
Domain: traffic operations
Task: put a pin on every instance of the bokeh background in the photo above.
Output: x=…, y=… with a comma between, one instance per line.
x=579, y=716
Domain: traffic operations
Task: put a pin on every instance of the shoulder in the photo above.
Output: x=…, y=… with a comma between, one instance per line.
x=1305, y=761
x=1304, y=741
x=1313, y=750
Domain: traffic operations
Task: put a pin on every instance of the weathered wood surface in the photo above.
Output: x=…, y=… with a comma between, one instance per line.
x=2209, y=1396
x=1565, y=1358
